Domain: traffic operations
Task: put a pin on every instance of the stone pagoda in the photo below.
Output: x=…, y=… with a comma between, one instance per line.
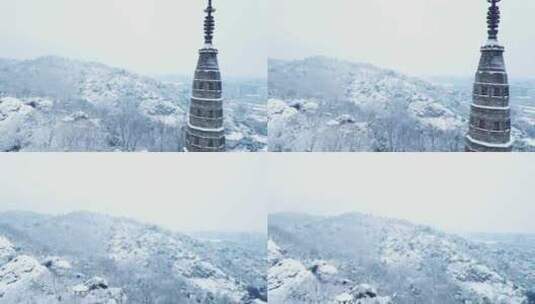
x=490, y=116
x=205, y=132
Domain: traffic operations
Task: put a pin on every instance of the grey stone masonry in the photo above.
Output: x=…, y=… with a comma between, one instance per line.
x=490, y=115
x=205, y=132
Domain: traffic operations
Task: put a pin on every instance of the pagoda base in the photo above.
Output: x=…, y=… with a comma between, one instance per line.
x=472, y=145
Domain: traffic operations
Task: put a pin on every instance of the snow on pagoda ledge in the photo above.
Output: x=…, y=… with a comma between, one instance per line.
x=491, y=145
x=206, y=129
x=208, y=46
x=492, y=43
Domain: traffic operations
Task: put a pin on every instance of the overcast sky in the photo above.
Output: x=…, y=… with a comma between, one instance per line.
x=418, y=37
x=146, y=36
x=181, y=192
x=454, y=192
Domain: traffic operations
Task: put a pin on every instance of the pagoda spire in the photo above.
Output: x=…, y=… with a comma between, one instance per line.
x=209, y=24
x=490, y=112
x=493, y=19
x=205, y=130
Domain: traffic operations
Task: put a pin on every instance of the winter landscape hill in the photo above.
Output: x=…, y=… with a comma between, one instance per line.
x=357, y=258
x=59, y=104
x=91, y=258
x=326, y=104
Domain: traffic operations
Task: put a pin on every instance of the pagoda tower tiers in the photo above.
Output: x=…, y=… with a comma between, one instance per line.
x=205, y=132
x=490, y=116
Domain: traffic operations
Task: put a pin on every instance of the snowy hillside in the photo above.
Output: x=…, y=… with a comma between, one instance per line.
x=394, y=260
x=323, y=104
x=25, y=279
x=145, y=262
x=93, y=107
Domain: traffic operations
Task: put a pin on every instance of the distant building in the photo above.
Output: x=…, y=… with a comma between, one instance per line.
x=490, y=116
x=205, y=131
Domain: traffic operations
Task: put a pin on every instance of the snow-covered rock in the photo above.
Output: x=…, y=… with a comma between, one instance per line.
x=57, y=265
x=96, y=291
x=23, y=276
x=278, y=108
x=275, y=253
x=323, y=269
x=77, y=116
x=362, y=294
x=7, y=250
x=16, y=119
x=104, y=296
x=289, y=279
x=304, y=105
x=96, y=283
x=342, y=119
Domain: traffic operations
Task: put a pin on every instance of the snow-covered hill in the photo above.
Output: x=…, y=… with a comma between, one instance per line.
x=94, y=107
x=327, y=258
x=290, y=281
x=324, y=104
x=25, y=279
x=143, y=260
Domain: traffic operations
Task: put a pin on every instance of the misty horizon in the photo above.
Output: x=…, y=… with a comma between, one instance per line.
x=460, y=194
x=161, y=191
x=140, y=221
x=468, y=77
x=412, y=222
x=182, y=74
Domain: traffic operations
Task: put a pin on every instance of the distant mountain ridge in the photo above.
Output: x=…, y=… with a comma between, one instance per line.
x=61, y=78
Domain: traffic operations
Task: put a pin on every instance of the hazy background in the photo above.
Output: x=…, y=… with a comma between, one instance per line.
x=418, y=37
x=181, y=192
x=146, y=36
x=458, y=193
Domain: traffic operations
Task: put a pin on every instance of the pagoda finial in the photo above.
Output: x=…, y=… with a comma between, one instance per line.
x=493, y=19
x=209, y=24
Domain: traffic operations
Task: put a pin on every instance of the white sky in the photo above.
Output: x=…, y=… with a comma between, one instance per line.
x=146, y=36
x=455, y=192
x=419, y=37
x=182, y=192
